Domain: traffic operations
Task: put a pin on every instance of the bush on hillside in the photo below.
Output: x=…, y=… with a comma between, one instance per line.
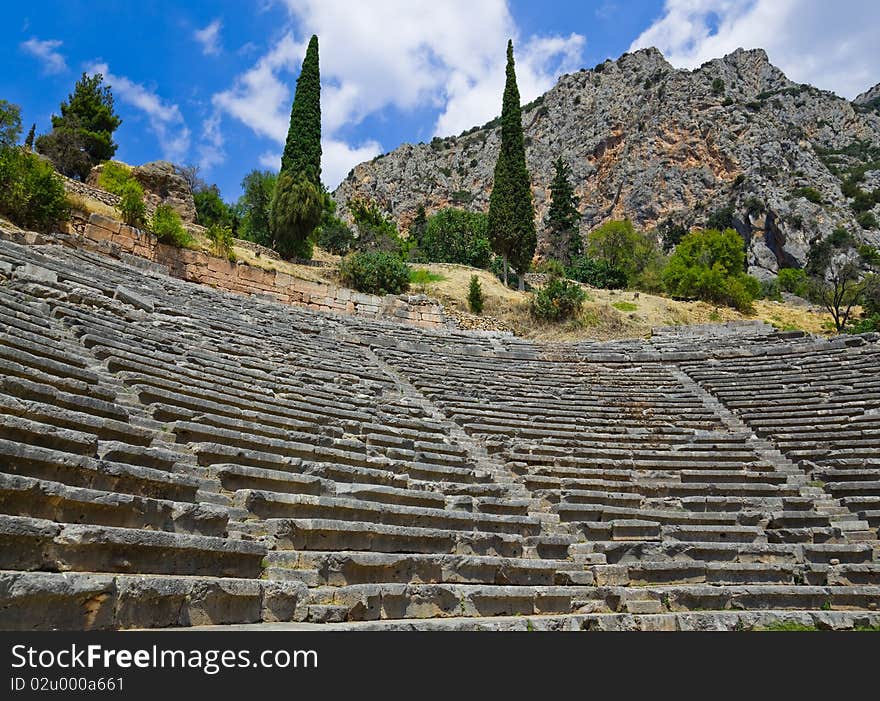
x=334, y=235
x=375, y=272
x=456, y=236
x=375, y=231
x=211, y=210
x=596, y=273
x=31, y=193
x=620, y=246
x=222, y=241
x=793, y=280
x=114, y=177
x=167, y=226
x=558, y=300
x=132, y=207
x=708, y=265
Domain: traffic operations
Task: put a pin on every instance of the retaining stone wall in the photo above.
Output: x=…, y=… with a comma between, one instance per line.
x=196, y=266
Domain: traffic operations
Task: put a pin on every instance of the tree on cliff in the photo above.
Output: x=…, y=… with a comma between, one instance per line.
x=563, y=216
x=299, y=199
x=511, y=210
x=82, y=137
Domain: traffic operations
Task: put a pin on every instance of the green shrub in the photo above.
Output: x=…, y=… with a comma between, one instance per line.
x=709, y=265
x=456, y=236
x=114, y=177
x=222, y=241
x=168, y=228
x=211, y=210
x=375, y=231
x=810, y=194
x=254, y=205
x=131, y=204
x=375, y=272
x=334, y=235
x=475, y=296
x=867, y=220
x=793, y=280
x=558, y=300
x=31, y=193
x=596, y=273
x=717, y=86
x=770, y=289
x=621, y=247
x=721, y=219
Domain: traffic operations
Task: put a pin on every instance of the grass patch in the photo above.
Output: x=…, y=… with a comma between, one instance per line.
x=789, y=627
x=816, y=483
x=420, y=276
x=625, y=306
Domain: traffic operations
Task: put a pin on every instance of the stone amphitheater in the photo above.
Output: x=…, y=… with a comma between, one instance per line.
x=173, y=456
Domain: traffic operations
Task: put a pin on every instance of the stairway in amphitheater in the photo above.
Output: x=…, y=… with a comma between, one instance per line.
x=171, y=455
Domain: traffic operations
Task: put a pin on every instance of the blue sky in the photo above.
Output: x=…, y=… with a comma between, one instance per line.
x=211, y=83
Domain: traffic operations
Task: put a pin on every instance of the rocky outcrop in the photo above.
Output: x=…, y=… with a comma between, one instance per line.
x=163, y=184
x=869, y=98
x=656, y=144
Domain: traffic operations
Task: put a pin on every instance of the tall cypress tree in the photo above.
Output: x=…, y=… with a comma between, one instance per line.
x=511, y=210
x=563, y=215
x=302, y=152
x=299, y=199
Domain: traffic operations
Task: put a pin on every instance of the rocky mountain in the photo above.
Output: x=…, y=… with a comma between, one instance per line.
x=657, y=144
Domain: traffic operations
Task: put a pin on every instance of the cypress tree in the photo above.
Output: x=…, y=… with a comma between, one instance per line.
x=511, y=210
x=302, y=152
x=563, y=215
x=419, y=226
x=299, y=200
x=29, y=141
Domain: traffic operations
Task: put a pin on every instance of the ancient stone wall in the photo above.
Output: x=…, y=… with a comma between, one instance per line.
x=195, y=266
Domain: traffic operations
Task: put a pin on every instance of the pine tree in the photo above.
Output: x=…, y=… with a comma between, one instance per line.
x=563, y=216
x=302, y=152
x=82, y=136
x=511, y=210
x=29, y=141
x=299, y=199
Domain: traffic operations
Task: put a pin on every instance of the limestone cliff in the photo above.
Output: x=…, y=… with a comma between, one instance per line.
x=653, y=143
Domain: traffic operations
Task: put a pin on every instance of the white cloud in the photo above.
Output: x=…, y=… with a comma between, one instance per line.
x=403, y=54
x=211, y=151
x=209, y=38
x=166, y=120
x=340, y=157
x=821, y=43
x=53, y=61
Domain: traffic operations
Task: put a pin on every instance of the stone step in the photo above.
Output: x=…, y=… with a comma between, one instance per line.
x=32, y=544
x=50, y=415
x=718, y=534
x=342, y=568
x=703, y=552
x=85, y=601
x=375, y=601
x=27, y=496
x=304, y=506
x=328, y=534
x=598, y=512
x=84, y=471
